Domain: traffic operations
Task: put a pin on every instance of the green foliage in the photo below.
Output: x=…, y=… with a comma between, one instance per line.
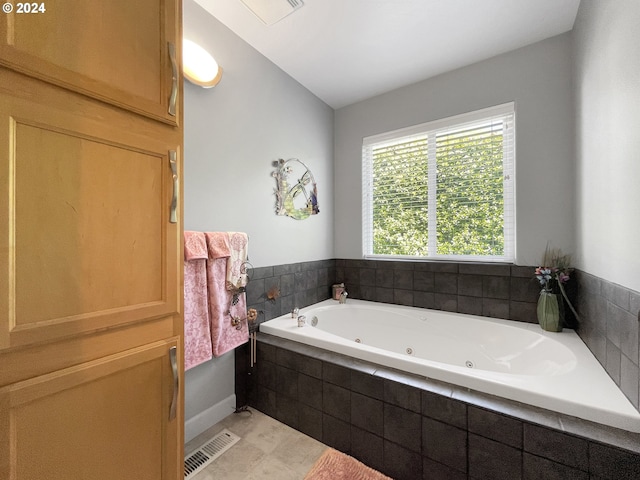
x=469, y=203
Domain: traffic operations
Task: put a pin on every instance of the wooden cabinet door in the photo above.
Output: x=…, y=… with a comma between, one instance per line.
x=116, y=51
x=62, y=426
x=86, y=241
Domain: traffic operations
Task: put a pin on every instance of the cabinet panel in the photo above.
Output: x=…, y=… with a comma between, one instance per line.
x=116, y=51
x=85, y=232
x=62, y=426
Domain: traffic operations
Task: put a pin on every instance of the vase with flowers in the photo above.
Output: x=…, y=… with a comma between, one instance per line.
x=553, y=275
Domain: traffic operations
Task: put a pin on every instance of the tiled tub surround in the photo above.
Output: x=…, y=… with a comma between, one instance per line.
x=610, y=318
x=491, y=290
x=412, y=428
x=299, y=285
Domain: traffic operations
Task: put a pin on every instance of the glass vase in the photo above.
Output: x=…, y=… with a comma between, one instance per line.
x=550, y=311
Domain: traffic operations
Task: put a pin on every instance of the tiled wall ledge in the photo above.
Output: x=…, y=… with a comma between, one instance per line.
x=299, y=285
x=411, y=428
x=610, y=317
x=490, y=290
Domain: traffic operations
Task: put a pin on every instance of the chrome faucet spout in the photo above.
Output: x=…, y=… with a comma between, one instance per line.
x=343, y=297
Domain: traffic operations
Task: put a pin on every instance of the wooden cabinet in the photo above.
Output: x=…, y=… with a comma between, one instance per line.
x=70, y=417
x=116, y=51
x=90, y=253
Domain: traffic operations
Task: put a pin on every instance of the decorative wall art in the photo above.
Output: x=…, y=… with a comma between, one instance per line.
x=296, y=191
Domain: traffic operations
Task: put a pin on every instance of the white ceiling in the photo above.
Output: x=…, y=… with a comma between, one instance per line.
x=348, y=50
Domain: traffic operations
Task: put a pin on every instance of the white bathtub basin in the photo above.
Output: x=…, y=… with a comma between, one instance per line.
x=515, y=360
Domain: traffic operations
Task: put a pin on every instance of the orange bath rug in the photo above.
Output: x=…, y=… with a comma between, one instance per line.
x=334, y=465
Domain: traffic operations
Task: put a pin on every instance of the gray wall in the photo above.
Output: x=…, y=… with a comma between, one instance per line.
x=607, y=99
x=538, y=79
x=233, y=132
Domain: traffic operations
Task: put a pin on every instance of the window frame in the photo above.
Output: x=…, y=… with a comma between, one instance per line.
x=507, y=113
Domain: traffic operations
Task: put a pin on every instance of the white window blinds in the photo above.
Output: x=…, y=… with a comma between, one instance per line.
x=442, y=190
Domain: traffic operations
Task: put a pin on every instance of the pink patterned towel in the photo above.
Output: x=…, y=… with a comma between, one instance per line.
x=195, y=246
x=225, y=336
x=218, y=244
x=197, y=331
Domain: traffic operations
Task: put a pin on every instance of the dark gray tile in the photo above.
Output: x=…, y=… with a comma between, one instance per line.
x=283, y=269
x=256, y=291
x=613, y=463
x=446, y=283
x=403, y=297
x=400, y=463
x=351, y=277
x=310, y=421
x=613, y=362
x=423, y=281
x=336, y=401
x=423, y=300
x=495, y=308
x=367, y=413
x=287, y=410
x=310, y=391
x=536, y=468
x=267, y=374
x=266, y=352
x=367, y=384
x=312, y=279
x=469, y=305
x=404, y=396
x=432, y=470
x=336, y=433
x=261, y=272
x=402, y=427
x=367, y=447
x=287, y=358
x=287, y=382
x=616, y=294
x=384, y=295
x=336, y=374
x=485, y=269
x=446, y=302
x=384, y=277
x=629, y=335
x=556, y=446
x=614, y=323
x=287, y=283
x=523, y=312
x=403, y=279
x=629, y=374
x=368, y=293
x=495, y=426
x=439, y=267
x=522, y=271
x=524, y=289
x=368, y=276
x=444, y=409
x=634, y=304
x=470, y=285
x=493, y=460
x=310, y=366
x=444, y=443
x=495, y=287
x=299, y=281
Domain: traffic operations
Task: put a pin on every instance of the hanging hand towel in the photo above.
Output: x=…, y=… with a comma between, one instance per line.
x=225, y=336
x=238, y=244
x=197, y=331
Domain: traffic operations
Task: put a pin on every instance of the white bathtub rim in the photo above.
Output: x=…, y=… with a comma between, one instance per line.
x=615, y=410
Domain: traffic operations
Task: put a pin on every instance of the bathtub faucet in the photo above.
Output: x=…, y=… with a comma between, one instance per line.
x=343, y=297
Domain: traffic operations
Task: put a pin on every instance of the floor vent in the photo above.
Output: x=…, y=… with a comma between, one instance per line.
x=208, y=452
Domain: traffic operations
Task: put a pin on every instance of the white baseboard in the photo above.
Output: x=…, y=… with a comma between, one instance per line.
x=209, y=417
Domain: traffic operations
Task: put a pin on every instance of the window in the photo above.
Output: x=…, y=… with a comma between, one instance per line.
x=443, y=189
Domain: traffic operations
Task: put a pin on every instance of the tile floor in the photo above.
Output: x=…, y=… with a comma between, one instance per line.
x=268, y=450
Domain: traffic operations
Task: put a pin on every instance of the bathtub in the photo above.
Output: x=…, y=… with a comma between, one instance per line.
x=514, y=360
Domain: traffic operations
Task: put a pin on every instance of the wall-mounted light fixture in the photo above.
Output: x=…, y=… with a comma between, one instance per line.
x=199, y=66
